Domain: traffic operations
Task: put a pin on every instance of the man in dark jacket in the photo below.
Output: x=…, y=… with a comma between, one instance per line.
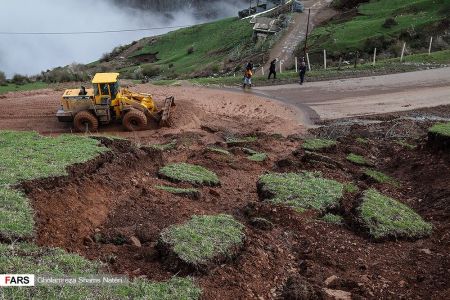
x=302, y=72
x=272, y=69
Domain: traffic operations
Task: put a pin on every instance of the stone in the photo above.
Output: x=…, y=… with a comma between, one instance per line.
x=337, y=294
x=330, y=280
x=135, y=242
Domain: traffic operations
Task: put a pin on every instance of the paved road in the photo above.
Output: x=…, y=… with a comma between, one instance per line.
x=364, y=96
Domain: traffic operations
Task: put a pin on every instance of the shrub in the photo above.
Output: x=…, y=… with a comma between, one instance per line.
x=151, y=71
x=2, y=78
x=190, y=50
x=20, y=79
x=390, y=22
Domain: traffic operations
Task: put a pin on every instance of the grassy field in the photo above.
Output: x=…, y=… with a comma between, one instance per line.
x=24, y=87
x=358, y=32
x=27, y=156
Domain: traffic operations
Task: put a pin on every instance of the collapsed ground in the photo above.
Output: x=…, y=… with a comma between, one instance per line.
x=286, y=252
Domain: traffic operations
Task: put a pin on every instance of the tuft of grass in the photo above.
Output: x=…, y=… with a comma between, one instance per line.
x=165, y=147
x=318, y=144
x=16, y=215
x=238, y=141
x=332, y=218
x=219, y=150
x=24, y=258
x=179, y=191
x=351, y=188
x=300, y=191
x=362, y=140
x=183, y=172
x=386, y=217
x=406, y=145
x=28, y=155
x=258, y=157
x=356, y=159
x=204, y=238
x=381, y=177
x=442, y=129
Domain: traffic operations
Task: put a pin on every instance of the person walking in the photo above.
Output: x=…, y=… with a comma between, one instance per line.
x=273, y=69
x=248, y=74
x=302, y=72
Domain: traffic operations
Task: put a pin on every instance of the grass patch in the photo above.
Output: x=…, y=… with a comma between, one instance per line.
x=234, y=141
x=190, y=192
x=357, y=159
x=351, y=188
x=333, y=219
x=318, y=144
x=28, y=155
x=362, y=140
x=23, y=87
x=381, y=177
x=386, y=217
x=183, y=172
x=258, y=157
x=406, y=144
x=204, y=238
x=16, y=215
x=26, y=258
x=301, y=191
x=442, y=129
x=219, y=150
x=165, y=147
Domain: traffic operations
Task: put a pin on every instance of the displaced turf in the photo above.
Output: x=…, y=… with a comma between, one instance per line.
x=219, y=150
x=234, y=141
x=165, y=147
x=258, y=157
x=386, y=217
x=301, y=191
x=333, y=219
x=381, y=177
x=351, y=188
x=406, y=144
x=356, y=159
x=204, y=238
x=179, y=191
x=318, y=144
x=26, y=258
x=183, y=172
x=442, y=129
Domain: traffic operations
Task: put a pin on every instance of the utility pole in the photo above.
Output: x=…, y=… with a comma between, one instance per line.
x=307, y=33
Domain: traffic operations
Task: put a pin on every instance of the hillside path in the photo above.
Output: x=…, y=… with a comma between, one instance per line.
x=296, y=32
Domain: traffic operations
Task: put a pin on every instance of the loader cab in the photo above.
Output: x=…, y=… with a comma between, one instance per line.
x=106, y=87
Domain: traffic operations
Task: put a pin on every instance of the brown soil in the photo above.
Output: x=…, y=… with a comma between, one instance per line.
x=101, y=205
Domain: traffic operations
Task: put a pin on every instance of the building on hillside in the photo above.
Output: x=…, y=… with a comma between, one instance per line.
x=258, y=6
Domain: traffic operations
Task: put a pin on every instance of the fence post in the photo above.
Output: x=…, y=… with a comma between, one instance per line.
x=403, y=52
x=325, y=59
x=307, y=59
x=296, y=64
x=374, y=56
x=262, y=70
x=281, y=70
x=429, y=48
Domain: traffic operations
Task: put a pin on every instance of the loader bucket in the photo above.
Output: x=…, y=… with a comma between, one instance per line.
x=165, y=113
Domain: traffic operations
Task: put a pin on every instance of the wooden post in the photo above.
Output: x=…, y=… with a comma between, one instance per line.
x=324, y=59
x=296, y=64
x=281, y=69
x=429, y=48
x=307, y=32
x=356, y=58
x=262, y=70
x=340, y=62
x=374, y=56
x=307, y=59
x=403, y=52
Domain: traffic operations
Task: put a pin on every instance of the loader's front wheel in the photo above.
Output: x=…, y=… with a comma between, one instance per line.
x=134, y=120
x=84, y=121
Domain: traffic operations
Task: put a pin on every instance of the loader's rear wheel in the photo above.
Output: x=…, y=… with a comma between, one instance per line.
x=85, y=121
x=134, y=120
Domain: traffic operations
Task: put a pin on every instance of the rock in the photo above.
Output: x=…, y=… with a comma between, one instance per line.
x=135, y=242
x=282, y=163
x=214, y=193
x=330, y=280
x=426, y=251
x=337, y=294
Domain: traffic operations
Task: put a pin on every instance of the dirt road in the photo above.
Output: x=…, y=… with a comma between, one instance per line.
x=364, y=96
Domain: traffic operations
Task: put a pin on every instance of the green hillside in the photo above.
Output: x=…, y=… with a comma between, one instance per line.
x=384, y=24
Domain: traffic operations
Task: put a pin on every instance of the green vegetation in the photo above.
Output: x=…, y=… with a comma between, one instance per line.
x=318, y=144
x=202, y=47
x=351, y=188
x=356, y=159
x=232, y=141
x=165, y=147
x=301, y=191
x=442, y=129
x=406, y=145
x=332, y=218
x=16, y=215
x=204, y=238
x=179, y=191
x=10, y=87
x=219, y=150
x=258, y=157
x=189, y=173
x=381, y=177
x=362, y=140
x=25, y=258
x=386, y=217
x=368, y=32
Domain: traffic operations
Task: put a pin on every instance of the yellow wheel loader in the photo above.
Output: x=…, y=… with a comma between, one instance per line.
x=107, y=102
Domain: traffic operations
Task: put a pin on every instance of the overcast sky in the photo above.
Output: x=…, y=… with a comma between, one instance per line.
x=26, y=54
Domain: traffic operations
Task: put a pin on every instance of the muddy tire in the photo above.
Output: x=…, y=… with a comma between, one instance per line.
x=85, y=121
x=134, y=120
